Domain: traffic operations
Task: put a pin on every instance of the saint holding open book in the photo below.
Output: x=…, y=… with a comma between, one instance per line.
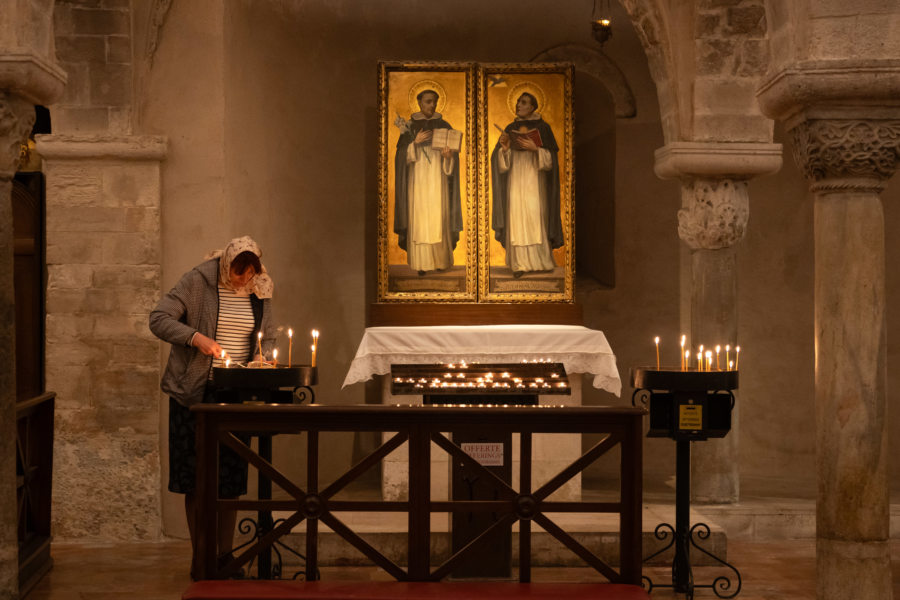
x=525, y=210
x=427, y=207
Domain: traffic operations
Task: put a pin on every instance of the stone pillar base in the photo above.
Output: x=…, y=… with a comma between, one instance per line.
x=853, y=570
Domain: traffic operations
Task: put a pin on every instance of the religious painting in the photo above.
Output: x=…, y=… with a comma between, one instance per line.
x=526, y=223
x=427, y=211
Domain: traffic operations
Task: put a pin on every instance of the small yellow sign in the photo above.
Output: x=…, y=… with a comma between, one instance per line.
x=690, y=416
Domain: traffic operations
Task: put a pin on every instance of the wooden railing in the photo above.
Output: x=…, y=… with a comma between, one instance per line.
x=419, y=426
x=34, y=477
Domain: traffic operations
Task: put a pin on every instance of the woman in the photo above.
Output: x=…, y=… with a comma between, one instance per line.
x=219, y=305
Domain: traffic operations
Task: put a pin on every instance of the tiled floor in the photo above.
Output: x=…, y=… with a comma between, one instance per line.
x=151, y=571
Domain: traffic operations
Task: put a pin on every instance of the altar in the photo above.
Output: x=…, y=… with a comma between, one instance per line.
x=579, y=349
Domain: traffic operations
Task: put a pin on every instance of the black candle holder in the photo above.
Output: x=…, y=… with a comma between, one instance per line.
x=281, y=384
x=686, y=406
x=265, y=385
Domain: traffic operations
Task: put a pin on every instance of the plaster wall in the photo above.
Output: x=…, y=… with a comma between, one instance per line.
x=183, y=98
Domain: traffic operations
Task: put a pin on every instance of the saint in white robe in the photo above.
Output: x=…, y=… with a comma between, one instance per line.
x=527, y=248
x=429, y=246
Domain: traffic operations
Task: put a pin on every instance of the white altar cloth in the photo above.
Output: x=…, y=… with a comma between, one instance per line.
x=581, y=350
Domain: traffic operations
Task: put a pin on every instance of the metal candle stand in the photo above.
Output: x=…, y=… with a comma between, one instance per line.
x=279, y=385
x=686, y=406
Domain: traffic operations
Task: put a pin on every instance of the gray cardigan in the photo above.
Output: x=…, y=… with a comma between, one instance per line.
x=192, y=306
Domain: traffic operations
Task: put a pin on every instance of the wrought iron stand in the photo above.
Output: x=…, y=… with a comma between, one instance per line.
x=266, y=386
x=687, y=406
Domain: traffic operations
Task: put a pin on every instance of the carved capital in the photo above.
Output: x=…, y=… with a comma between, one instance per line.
x=714, y=213
x=847, y=154
x=16, y=121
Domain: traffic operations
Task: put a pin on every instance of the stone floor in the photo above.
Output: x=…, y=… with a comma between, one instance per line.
x=158, y=571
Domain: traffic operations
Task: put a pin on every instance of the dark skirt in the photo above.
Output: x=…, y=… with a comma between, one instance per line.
x=183, y=456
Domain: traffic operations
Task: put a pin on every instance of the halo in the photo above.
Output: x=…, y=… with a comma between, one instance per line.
x=427, y=84
x=526, y=86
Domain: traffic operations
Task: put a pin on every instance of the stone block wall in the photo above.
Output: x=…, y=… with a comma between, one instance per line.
x=731, y=56
x=103, y=225
x=93, y=45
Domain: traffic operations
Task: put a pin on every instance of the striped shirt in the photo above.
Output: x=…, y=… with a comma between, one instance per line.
x=234, y=327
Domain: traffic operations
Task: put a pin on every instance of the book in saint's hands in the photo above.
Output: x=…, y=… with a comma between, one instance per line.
x=533, y=134
x=446, y=138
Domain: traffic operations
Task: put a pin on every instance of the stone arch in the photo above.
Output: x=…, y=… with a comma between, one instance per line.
x=595, y=63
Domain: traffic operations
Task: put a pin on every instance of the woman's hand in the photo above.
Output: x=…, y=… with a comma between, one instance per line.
x=206, y=345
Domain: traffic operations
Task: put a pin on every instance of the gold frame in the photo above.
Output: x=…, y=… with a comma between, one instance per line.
x=510, y=79
x=444, y=75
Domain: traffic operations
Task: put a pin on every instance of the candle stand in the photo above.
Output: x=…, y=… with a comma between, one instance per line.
x=279, y=385
x=686, y=406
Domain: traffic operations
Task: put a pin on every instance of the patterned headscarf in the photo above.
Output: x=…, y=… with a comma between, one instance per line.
x=261, y=285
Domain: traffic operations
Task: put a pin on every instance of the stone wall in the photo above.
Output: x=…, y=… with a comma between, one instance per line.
x=103, y=249
x=93, y=45
x=102, y=360
x=731, y=55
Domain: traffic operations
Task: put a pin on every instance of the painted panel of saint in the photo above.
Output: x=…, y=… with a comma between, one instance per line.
x=427, y=213
x=525, y=128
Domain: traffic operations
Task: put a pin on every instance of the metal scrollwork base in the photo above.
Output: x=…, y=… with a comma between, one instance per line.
x=249, y=526
x=302, y=393
x=682, y=573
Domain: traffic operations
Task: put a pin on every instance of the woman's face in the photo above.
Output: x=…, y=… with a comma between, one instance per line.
x=237, y=280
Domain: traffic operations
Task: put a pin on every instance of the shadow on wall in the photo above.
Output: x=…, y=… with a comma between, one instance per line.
x=595, y=167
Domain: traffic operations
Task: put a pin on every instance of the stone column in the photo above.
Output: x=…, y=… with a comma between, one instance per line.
x=848, y=162
x=712, y=220
x=16, y=121
x=103, y=279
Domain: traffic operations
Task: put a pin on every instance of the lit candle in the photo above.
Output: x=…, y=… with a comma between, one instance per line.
x=315, y=345
x=656, y=341
x=709, y=360
x=275, y=357
x=223, y=355
x=290, y=345
x=717, y=356
x=737, y=357
x=683, y=338
x=727, y=351
x=699, y=361
x=687, y=360
x=227, y=362
x=730, y=365
x=259, y=345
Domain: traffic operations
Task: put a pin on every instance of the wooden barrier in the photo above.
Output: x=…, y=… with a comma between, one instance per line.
x=418, y=426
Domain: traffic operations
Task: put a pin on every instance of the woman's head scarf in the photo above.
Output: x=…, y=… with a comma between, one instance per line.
x=261, y=284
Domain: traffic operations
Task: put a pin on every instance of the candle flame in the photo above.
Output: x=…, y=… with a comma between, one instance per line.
x=290, y=333
x=259, y=335
x=656, y=339
x=274, y=353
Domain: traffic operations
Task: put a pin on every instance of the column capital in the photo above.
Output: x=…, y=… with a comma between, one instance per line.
x=16, y=121
x=714, y=212
x=846, y=154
